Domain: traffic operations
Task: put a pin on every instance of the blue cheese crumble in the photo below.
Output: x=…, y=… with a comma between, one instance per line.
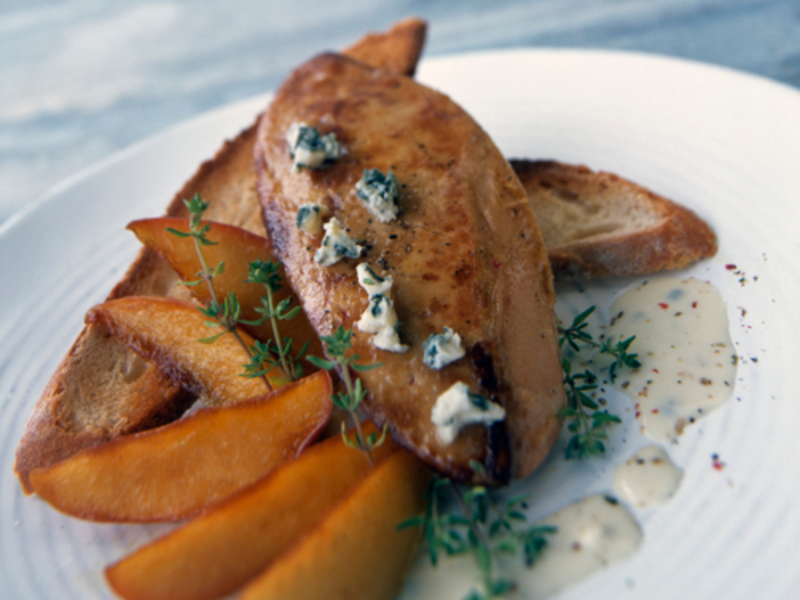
x=309, y=218
x=388, y=339
x=310, y=149
x=441, y=349
x=335, y=245
x=373, y=283
x=458, y=407
x=380, y=317
x=380, y=193
x=380, y=314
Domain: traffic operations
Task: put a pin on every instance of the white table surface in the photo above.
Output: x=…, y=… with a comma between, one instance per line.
x=81, y=79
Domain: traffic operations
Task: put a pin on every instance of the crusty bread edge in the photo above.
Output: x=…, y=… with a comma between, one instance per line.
x=680, y=239
x=398, y=50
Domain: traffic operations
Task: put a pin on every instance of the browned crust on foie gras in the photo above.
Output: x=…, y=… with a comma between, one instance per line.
x=465, y=253
x=597, y=223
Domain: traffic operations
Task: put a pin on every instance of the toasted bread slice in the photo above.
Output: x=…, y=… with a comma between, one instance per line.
x=397, y=51
x=596, y=223
x=101, y=389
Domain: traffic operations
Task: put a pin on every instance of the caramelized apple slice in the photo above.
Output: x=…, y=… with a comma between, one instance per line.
x=221, y=550
x=356, y=551
x=237, y=248
x=176, y=470
x=166, y=331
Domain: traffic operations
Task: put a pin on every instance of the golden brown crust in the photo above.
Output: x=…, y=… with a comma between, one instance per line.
x=228, y=182
x=396, y=50
x=465, y=253
x=669, y=236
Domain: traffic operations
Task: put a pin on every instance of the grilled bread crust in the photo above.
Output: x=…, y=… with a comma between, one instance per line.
x=597, y=223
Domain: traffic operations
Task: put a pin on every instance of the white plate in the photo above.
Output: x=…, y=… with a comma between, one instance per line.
x=724, y=143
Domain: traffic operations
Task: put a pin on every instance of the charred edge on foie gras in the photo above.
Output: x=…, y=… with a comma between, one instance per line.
x=498, y=445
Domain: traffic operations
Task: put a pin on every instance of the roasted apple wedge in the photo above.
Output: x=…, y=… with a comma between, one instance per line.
x=237, y=248
x=221, y=550
x=166, y=332
x=174, y=471
x=356, y=551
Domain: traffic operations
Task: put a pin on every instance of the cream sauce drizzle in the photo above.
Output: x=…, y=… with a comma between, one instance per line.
x=688, y=360
x=593, y=533
x=647, y=478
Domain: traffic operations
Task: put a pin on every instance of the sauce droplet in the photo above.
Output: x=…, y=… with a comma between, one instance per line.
x=649, y=477
x=689, y=364
x=593, y=533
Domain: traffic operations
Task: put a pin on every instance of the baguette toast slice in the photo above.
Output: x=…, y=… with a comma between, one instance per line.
x=102, y=389
x=396, y=51
x=596, y=223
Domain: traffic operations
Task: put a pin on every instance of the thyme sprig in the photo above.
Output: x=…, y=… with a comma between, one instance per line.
x=585, y=420
x=337, y=346
x=263, y=357
x=278, y=351
x=481, y=529
x=576, y=334
x=589, y=429
x=228, y=313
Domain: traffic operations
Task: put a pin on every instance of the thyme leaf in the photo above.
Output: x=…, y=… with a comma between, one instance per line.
x=267, y=273
x=480, y=528
x=337, y=346
x=588, y=423
x=263, y=357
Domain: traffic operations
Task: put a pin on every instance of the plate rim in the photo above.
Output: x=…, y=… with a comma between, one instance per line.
x=81, y=175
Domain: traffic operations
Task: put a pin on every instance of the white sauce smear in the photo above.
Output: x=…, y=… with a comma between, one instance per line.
x=593, y=533
x=648, y=478
x=688, y=360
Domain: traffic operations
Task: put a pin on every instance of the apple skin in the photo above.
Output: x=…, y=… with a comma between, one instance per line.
x=166, y=332
x=174, y=471
x=237, y=248
x=356, y=551
x=222, y=549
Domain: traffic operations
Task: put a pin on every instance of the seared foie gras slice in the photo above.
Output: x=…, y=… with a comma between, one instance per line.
x=464, y=253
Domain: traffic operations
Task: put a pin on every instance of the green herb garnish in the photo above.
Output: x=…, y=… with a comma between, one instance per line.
x=276, y=352
x=336, y=347
x=481, y=529
x=587, y=422
x=228, y=313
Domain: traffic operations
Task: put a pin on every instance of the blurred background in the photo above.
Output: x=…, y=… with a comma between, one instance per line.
x=81, y=79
